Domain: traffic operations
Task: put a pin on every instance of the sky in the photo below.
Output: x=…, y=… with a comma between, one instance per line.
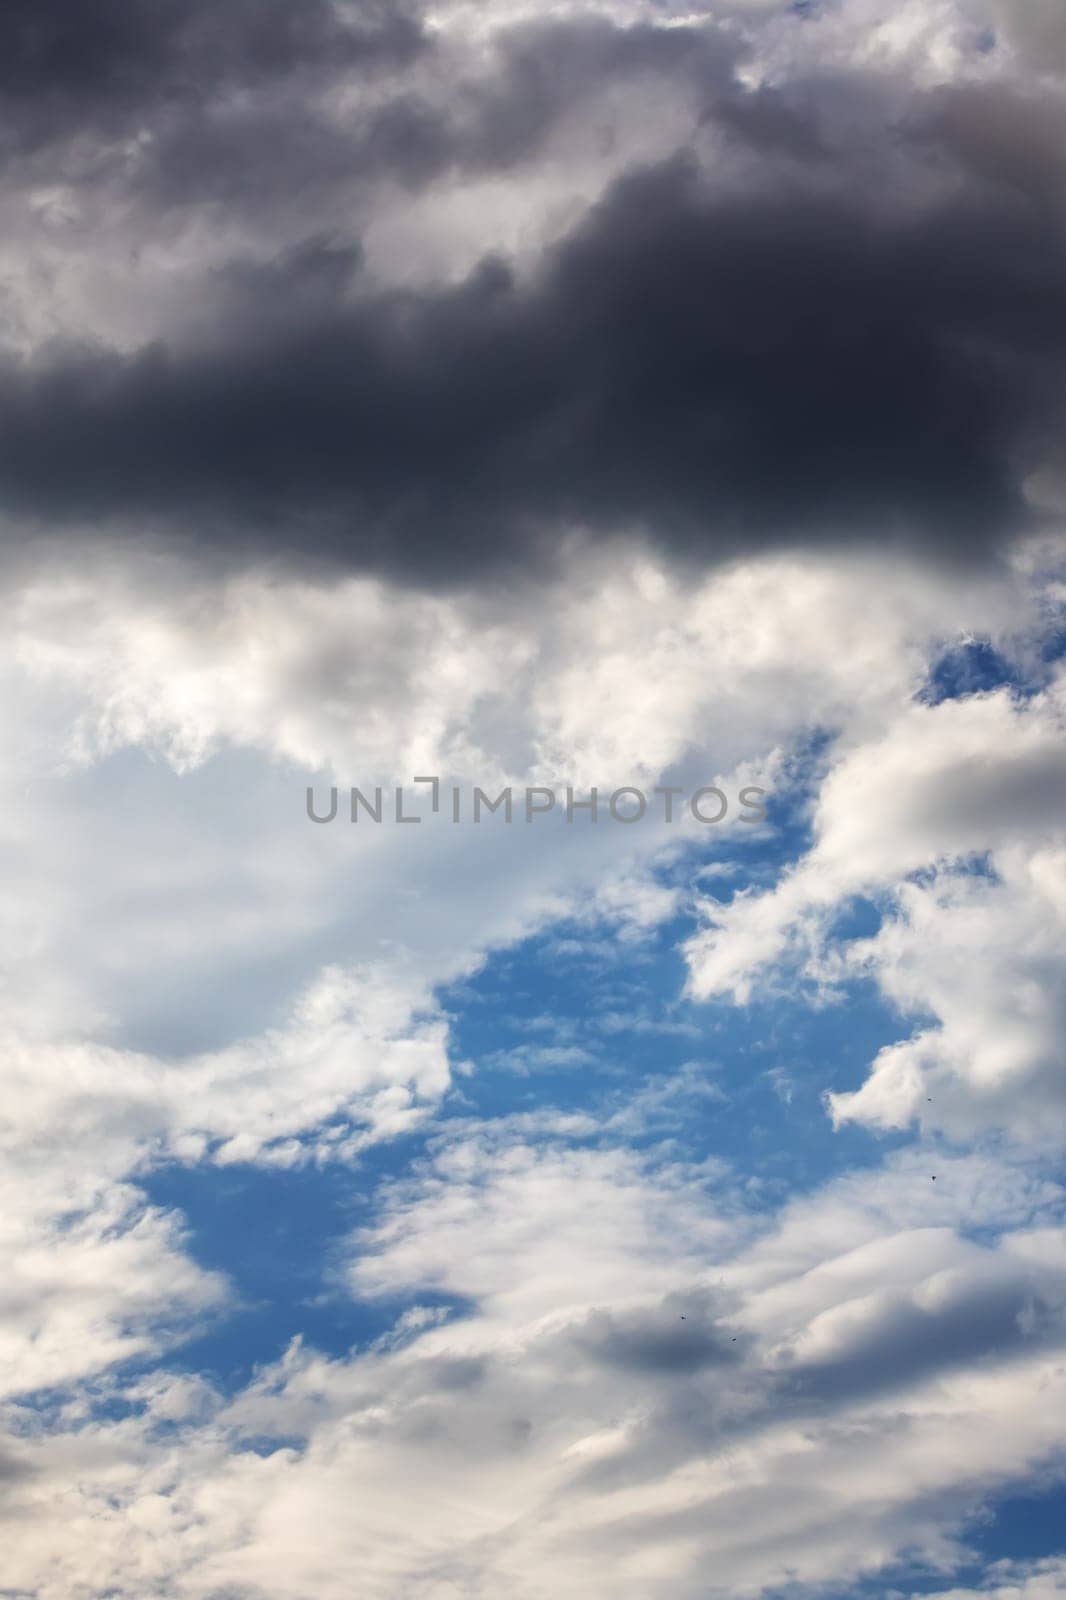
x=404, y=407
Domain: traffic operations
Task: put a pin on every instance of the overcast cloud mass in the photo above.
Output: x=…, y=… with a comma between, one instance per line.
x=614, y=394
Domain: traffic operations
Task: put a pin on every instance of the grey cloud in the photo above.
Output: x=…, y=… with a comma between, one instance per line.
x=200, y=105
x=724, y=365
x=447, y=115
x=1036, y=28
x=679, y=1337
x=1002, y=134
x=906, y=1341
x=724, y=373
x=66, y=68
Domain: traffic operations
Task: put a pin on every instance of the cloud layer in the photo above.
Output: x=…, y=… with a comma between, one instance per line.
x=771, y=296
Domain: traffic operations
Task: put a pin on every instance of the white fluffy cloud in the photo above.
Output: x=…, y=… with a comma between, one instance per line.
x=196, y=972
x=1016, y=1580
x=641, y=1383
x=165, y=725
x=904, y=816
x=91, y=1277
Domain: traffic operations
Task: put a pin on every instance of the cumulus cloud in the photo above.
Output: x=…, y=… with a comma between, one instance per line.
x=166, y=726
x=952, y=819
x=92, y=1278
x=809, y=306
x=655, y=1376
x=427, y=436
x=362, y=1057
x=65, y=75
x=609, y=1365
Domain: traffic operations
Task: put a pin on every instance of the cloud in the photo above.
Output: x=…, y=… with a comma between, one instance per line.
x=637, y=1372
x=433, y=435
x=613, y=1365
x=951, y=819
x=261, y=989
x=65, y=76
x=994, y=1057
x=92, y=1278
x=729, y=335
x=162, y=728
x=1015, y=1580
x=361, y=1058
x=1035, y=29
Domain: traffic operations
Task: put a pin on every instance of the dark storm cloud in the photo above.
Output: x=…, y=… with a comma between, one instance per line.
x=722, y=372
x=768, y=358
x=67, y=66
x=1004, y=135
x=230, y=96
x=460, y=119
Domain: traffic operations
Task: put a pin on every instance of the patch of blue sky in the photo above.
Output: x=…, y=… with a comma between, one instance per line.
x=281, y=1237
x=580, y=1022
x=978, y=864
x=603, y=1030
x=1053, y=645
x=562, y=1024
x=975, y=666
x=1022, y=1527
x=1006, y=1527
